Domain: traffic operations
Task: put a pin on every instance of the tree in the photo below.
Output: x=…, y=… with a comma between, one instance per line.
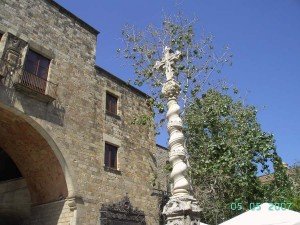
x=227, y=150
x=292, y=195
x=295, y=179
x=193, y=72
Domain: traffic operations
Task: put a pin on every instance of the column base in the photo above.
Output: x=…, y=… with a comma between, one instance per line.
x=182, y=210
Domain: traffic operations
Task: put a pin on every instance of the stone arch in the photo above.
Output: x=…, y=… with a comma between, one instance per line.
x=37, y=156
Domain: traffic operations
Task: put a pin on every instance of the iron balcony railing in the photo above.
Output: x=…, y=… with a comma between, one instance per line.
x=28, y=82
x=37, y=84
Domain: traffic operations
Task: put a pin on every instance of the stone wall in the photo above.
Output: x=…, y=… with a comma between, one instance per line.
x=52, y=213
x=14, y=200
x=162, y=157
x=136, y=165
x=76, y=122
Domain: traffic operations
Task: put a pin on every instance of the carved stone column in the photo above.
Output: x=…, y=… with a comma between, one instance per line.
x=182, y=208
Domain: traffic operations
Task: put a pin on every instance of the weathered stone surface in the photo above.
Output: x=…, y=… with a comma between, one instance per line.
x=182, y=210
x=162, y=174
x=121, y=213
x=59, y=147
x=15, y=196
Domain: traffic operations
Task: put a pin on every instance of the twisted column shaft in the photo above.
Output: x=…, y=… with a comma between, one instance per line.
x=177, y=151
x=177, y=155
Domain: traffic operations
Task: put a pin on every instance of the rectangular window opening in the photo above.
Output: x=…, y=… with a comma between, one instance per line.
x=111, y=158
x=36, y=71
x=111, y=103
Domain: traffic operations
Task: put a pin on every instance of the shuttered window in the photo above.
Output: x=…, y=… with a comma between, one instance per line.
x=111, y=152
x=111, y=104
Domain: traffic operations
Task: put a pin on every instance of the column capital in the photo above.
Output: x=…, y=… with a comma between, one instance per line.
x=171, y=89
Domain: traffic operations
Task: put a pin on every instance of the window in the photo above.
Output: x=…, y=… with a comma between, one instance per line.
x=1, y=36
x=110, y=156
x=37, y=64
x=111, y=103
x=36, y=72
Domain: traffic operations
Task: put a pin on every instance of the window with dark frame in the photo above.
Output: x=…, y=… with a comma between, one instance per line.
x=111, y=103
x=110, y=158
x=36, y=71
x=37, y=64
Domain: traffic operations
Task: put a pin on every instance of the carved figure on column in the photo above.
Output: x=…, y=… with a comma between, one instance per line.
x=182, y=208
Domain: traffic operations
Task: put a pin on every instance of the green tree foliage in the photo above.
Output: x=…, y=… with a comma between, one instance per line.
x=294, y=195
x=227, y=150
x=279, y=188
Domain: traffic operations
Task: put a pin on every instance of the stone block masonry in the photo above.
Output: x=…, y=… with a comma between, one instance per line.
x=75, y=126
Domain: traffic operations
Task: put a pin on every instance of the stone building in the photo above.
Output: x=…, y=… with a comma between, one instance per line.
x=68, y=147
x=269, y=178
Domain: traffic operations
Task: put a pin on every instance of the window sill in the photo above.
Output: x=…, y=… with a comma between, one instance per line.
x=113, y=115
x=112, y=170
x=43, y=97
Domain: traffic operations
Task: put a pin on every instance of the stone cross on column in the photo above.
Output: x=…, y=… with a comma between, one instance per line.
x=182, y=208
x=168, y=62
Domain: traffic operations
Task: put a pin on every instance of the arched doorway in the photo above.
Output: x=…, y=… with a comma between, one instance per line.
x=31, y=154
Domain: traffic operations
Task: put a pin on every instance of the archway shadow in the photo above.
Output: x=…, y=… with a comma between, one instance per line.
x=41, y=164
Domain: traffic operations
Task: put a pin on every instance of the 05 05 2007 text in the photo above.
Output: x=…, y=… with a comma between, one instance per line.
x=256, y=206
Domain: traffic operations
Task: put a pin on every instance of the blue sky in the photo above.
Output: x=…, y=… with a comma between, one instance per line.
x=264, y=37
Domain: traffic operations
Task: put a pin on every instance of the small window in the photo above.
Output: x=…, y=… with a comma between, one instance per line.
x=110, y=156
x=37, y=64
x=111, y=104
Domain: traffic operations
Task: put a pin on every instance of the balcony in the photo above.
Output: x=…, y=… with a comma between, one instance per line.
x=30, y=84
x=35, y=86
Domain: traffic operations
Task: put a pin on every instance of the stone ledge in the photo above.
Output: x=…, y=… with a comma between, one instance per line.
x=113, y=115
x=112, y=170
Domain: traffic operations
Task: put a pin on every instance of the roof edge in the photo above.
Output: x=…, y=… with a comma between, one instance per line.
x=119, y=80
x=163, y=147
x=72, y=15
